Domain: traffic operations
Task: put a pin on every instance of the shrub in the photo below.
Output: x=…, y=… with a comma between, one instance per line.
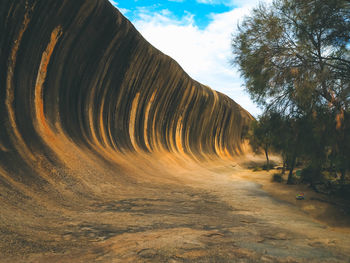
x=277, y=177
x=271, y=166
x=311, y=175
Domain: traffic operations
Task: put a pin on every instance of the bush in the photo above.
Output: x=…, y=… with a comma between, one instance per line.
x=295, y=180
x=277, y=177
x=311, y=175
x=271, y=166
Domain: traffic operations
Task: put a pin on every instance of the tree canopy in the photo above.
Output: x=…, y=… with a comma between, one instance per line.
x=295, y=54
x=295, y=58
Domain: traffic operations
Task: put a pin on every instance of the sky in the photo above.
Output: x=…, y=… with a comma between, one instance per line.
x=197, y=34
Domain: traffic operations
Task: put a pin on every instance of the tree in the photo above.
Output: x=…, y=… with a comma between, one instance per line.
x=288, y=142
x=263, y=134
x=295, y=54
x=342, y=145
x=295, y=58
x=261, y=137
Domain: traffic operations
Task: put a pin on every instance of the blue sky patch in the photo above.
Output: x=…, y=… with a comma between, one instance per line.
x=201, y=12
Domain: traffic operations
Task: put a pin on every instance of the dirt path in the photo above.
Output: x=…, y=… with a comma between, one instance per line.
x=193, y=214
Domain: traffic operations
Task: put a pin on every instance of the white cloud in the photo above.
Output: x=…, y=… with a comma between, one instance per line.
x=210, y=2
x=236, y=3
x=113, y=2
x=122, y=10
x=204, y=54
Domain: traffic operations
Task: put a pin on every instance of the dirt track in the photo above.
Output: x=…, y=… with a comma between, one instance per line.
x=192, y=214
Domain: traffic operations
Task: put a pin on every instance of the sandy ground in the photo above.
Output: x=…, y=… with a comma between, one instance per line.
x=173, y=210
x=329, y=210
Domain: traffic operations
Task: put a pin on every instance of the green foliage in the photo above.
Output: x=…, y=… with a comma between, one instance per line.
x=261, y=135
x=294, y=54
x=295, y=58
x=309, y=175
x=277, y=177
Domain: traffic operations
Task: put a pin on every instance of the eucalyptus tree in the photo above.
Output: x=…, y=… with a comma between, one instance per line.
x=295, y=54
x=261, y=136
x=295, y=58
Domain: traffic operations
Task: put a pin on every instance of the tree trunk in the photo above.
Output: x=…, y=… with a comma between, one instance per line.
x=342, y=177
x=267, y=160
x=284, y=165
x=290, y=175
x=332, y=171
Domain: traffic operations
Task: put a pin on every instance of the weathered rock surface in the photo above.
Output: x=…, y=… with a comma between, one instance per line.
x=80, y=92
x=110, y=152
x=79, y=68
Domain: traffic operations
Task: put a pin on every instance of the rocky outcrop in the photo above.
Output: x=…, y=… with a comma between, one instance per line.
x=82, y=96
x=80, y=69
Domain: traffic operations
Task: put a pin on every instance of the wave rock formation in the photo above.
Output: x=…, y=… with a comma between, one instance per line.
x=89, y=109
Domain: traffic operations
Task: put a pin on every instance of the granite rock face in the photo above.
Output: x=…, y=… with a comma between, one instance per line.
x=80, y=69
x=92, y=116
